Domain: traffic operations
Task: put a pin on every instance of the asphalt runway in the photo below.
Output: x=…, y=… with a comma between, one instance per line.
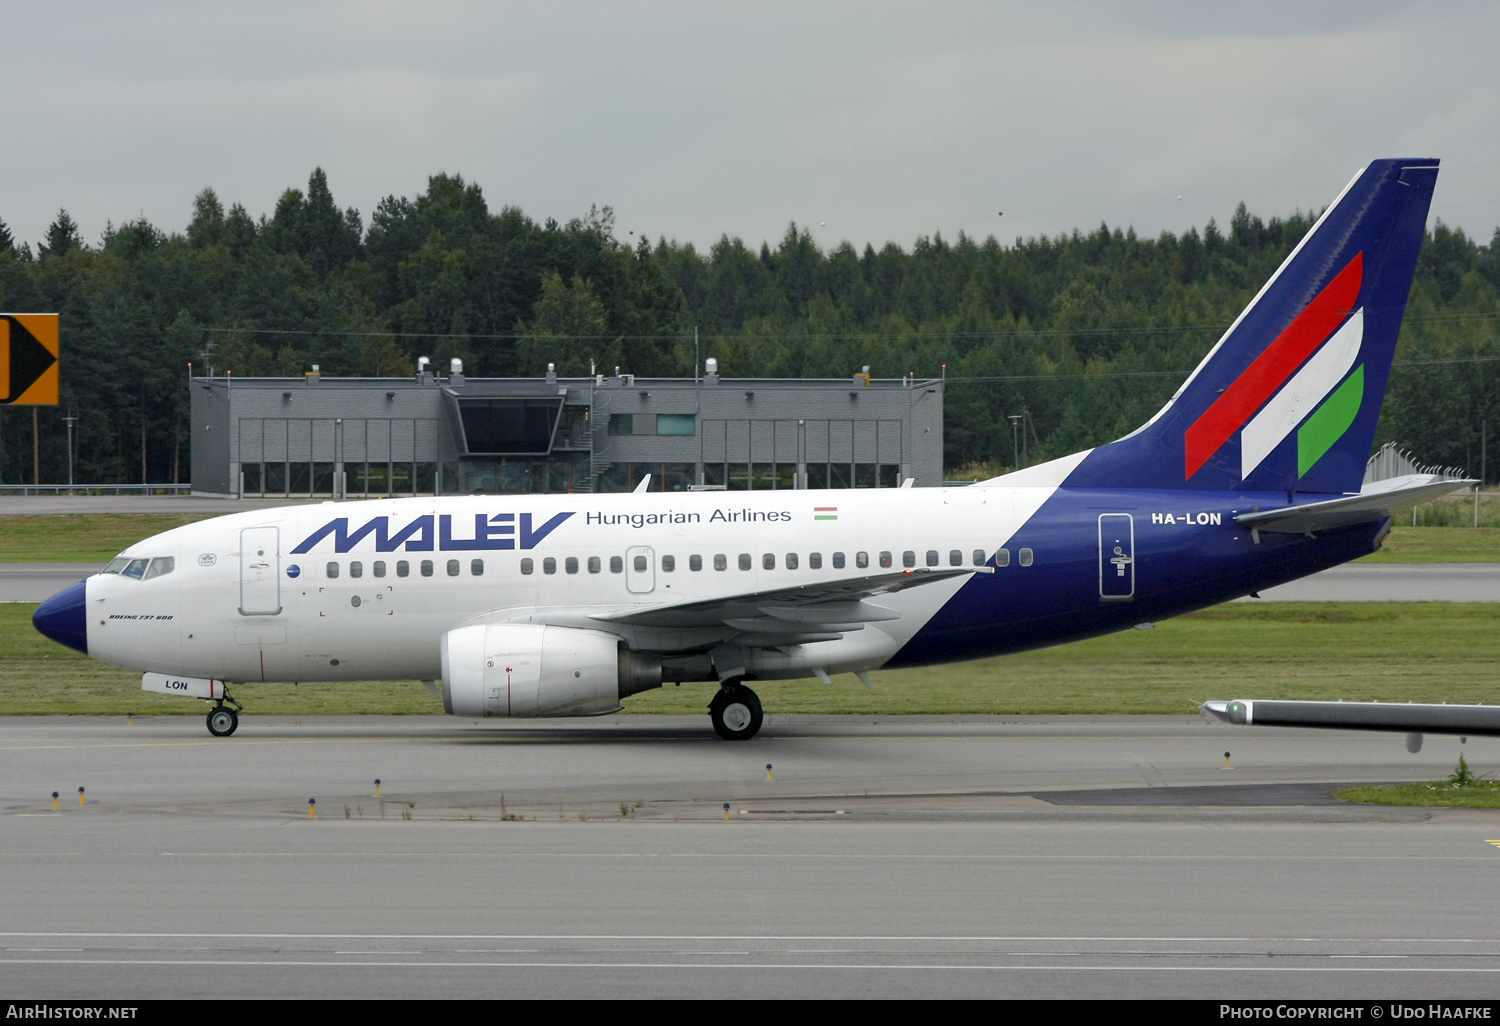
x=1375, y=582
x=926, y=856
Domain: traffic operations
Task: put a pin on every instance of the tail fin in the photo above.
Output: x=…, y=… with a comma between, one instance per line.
x=1288, y=398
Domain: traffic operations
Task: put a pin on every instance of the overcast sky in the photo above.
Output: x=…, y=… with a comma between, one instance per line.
x=867, y=121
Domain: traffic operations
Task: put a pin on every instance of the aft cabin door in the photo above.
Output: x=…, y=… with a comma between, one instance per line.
x=260, y=571
x=1116, y=557
x=640, y=570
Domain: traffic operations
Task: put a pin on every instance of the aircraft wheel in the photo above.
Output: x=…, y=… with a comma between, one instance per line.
x=222, y=721
x=736, y=713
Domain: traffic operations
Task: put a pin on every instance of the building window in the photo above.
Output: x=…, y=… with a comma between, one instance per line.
x=426, y=568
x=356, y=569
x=332, y=570
x=676, y=424
x=668, y=564
x=622, y=423
x=594, y=565
x=713, y=474
x=695, y=563
x=616, y=565
x=452, y=568
x=866, y=475
x=739, y=477
x=570, y=565
x=1025, y=557
x=476, y=567
x=744, y=561
x=250, y=479
x=549, y=565
x=890, y=475
x=817, y=475
x=527, y=566
x=839, y=476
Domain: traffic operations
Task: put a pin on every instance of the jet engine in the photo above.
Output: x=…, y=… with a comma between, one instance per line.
x=508, y=669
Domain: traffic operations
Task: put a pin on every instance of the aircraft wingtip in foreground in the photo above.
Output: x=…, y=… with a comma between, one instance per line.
x=563, y=605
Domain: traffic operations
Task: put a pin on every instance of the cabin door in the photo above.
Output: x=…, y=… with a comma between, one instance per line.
x=260, y=571
x=1116, y=557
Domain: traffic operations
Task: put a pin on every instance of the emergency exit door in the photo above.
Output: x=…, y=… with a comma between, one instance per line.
x=1116, y=557
x=260, y=571
x=640, y=569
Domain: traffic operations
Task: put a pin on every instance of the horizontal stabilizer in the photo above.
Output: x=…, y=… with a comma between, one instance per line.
x=1374, y=502
x=1406, y=718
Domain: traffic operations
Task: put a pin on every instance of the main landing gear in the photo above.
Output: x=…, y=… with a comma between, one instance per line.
x=224, y=719
x=736, y=712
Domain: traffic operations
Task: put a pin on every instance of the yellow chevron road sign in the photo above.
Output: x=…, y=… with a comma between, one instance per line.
x=28, y=359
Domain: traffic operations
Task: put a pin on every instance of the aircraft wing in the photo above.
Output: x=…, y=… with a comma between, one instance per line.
x=795, y=615
x=1373, y=502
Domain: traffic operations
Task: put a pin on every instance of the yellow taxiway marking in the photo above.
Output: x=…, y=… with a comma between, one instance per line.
x=1494, y=842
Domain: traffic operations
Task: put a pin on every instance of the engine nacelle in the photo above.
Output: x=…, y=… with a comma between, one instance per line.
x=506, y=669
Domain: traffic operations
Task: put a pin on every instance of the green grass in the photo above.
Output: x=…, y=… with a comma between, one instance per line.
x=1439, y=545
x=1357, y=651
x=1481, y=794
x=81, y=537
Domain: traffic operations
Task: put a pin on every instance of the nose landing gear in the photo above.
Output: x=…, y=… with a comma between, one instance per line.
x=224, y=719
x=735, y=712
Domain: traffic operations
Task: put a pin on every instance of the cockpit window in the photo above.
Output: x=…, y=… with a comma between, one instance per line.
x=161, y=565
x=116, y=565
x=136, y=568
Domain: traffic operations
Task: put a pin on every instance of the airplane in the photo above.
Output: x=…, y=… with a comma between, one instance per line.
x=1251, y=475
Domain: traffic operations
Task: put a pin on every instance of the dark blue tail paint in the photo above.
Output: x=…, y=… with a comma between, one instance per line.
x=1310, y=420
x=1359, y=257
x=64, y=617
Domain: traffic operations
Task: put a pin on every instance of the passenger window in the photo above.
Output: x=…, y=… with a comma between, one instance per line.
x=979, y=557
x=932, y=557
x=160, y=566
x=378, y=567
x=616, y=565
x=452, y=568
x=908, y=558
x=955, y=558
x=426, y=568
x=570, y=565
x=791, y=561
x=721, y=562
x=861, y=560
x=116, y=565
x=549, y=565
x=1002, y=557
x=668, y=564
x=594, y=565
x=815, y=560
x=332, y=570
x=744, y=561
x=527, y=566
x=695, y=563
x=476, y=567
x=136, y=568
x=640, y=564
x=356, y=568
x=403, y=568
x=885, y=559
x=768, y=561
x=838, y=561
x=1025, y=555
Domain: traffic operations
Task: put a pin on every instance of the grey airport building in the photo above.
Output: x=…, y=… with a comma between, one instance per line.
x=437, y=434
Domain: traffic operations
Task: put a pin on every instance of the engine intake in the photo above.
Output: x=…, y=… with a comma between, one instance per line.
x=529, y=670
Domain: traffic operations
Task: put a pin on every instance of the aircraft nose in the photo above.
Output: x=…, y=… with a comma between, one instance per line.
x=64, y=619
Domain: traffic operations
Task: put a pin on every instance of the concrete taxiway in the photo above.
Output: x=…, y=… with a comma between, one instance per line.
x=916, y=856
